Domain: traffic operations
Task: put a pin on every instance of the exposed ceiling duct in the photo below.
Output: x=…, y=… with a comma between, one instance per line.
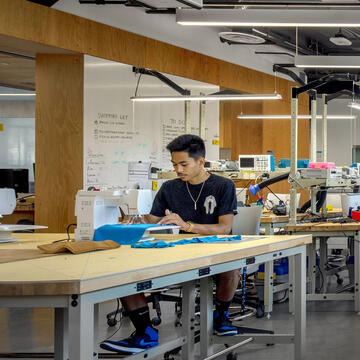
x=243, y=38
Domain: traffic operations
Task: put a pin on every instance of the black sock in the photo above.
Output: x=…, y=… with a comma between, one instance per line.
x=222, y=306
x=140, y=318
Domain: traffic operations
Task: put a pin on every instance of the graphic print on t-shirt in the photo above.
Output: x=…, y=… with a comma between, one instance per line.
x=210, y=204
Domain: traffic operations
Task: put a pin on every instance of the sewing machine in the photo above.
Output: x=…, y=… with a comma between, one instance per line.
x=7, y=206
x=97, y=208
x=7, y=201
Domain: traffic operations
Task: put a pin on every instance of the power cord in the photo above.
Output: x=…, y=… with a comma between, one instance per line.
x=137, y=85
x=120, y=321
x=68, y=230
x=68, y=234
x=21, y=199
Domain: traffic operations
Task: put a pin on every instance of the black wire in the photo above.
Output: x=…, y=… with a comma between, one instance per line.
x=24, y=197
x=322, y=278
x=120, y=321
x=68, y=230
x=245, y=187
x=137, y=85
x=118, y=308
x=274, y=194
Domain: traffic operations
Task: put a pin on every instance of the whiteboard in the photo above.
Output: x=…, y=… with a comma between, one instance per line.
x=117, y=131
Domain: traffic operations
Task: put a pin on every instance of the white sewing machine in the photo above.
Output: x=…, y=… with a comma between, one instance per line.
x=7, y=206
x=97, y=208
x=7, y=201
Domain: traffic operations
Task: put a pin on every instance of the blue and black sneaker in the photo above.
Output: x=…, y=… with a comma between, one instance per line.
x=133, y=344
x=223, y=325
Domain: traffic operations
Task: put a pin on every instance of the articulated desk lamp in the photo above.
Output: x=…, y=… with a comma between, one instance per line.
x=7, y=206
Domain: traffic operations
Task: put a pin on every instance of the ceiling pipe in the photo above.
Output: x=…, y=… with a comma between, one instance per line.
x=283, y=43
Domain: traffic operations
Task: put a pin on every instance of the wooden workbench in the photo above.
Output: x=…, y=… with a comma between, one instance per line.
x=323, y=227
x=323, y=231
x=74, y=284
x=269, y=221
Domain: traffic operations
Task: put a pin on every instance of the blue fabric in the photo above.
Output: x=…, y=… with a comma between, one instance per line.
x=163, y=244
x=122, y=234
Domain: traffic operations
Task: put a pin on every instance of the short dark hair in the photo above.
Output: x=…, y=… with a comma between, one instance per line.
x=192, y=144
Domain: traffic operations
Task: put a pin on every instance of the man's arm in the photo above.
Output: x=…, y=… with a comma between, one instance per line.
x=223, y=227
x=151, y=219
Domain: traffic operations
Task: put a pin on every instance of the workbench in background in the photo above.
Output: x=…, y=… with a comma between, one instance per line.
x=24, y=211
x=322, y=232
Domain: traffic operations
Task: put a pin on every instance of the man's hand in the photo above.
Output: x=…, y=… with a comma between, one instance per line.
x=175, y=219
x=133, y=219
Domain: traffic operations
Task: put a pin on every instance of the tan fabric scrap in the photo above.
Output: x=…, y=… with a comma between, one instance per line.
x=79, y=247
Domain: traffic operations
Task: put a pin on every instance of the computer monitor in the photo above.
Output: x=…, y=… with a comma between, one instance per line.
x=17, y=179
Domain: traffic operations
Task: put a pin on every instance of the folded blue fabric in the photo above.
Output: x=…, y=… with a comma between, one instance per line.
x=152, y=245
x=122, y=234
x=163, y=244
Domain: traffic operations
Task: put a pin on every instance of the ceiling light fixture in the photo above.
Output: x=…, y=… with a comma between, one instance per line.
x=268, y=17
x=275, y=117
x=340, y=39
x=323, y=62
x=18, y=94
x=218, y=97
x=354, y=105
x=236, y=37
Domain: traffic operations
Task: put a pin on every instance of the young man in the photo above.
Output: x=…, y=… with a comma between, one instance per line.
x=200, y=203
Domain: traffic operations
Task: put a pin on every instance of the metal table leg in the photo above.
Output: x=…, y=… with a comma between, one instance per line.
x=81, y=328
x=188, y=322
x=61, y=346
x=268, y=276
x=292, y=285
x=312, y=266
x=357, y=270
x=300, y=304
x=206, y=316
x=269, y=287
x=96, y=330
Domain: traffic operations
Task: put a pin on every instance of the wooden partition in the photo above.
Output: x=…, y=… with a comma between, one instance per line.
x=59, y=105
x=59, y=138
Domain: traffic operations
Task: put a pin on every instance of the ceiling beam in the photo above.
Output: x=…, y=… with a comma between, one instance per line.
x=48, y=3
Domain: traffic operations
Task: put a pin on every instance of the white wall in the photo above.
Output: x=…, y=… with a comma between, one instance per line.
x=17, y=144
x=342, y=134
x=17, y=109
x=164, y=28
x=17, y=135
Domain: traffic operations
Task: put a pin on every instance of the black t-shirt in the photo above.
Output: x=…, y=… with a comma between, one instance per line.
x=217, y=198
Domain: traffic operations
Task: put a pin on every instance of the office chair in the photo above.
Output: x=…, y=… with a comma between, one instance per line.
x=247, y=222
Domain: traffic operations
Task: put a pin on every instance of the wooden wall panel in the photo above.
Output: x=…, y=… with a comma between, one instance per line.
x=59, y=138
x=25, y=20
x=21, y=19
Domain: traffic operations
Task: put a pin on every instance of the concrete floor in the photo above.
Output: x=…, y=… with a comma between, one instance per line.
x=333, y=331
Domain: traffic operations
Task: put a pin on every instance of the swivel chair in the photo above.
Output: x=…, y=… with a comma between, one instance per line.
x=247, y=222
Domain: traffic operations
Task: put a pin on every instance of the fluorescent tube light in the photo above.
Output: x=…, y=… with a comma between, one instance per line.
x=268, y=17
x=323, y=62
x=1, y=95
x=274, y=96
x=354, y=105
x=252, y=117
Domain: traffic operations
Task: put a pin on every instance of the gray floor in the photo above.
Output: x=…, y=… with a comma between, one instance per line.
x=333, y=331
